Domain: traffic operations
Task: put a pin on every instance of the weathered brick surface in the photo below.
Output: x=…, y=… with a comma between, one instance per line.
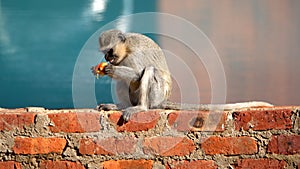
x=256, y=138
x=260, y=164
x=89, y=146
x=20, y=119
x=197, y=120
x=284, y=144
x=229, y=145
x=142, y=121
x=168, y=146
x=60, y=165
x=263, y=119
x=39, y=145
x=198, y=164
x=75, y=122
x=108, y=146
x=126, y=164
x=10, y=165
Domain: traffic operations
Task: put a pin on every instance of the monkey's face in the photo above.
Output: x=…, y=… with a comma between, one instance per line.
x=111, y=57
x=117, y=53
x=112, y=44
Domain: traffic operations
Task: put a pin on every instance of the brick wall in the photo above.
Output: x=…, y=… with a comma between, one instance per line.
x=84, y=139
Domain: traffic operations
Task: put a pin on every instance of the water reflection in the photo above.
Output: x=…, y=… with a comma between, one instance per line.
x=5, y=40
x=97, y=9
x=124, y=24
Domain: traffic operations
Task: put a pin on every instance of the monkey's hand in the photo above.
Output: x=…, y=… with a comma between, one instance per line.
x=109, y=70
x=121, y=73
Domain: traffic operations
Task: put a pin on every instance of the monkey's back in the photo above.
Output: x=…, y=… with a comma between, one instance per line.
x=144, y=52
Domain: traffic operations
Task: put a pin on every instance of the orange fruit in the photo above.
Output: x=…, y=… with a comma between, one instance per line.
x=100, y=67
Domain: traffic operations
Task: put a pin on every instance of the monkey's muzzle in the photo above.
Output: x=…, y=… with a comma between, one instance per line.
x=111, y=58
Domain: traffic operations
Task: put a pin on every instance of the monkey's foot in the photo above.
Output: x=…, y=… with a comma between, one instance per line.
x=127, y=113
x=107, y=107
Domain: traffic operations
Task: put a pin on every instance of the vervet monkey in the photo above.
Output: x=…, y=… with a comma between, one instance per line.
x=143, y=78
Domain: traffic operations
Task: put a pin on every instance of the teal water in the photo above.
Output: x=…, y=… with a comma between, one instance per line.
x=39, y=45
x=257, y=41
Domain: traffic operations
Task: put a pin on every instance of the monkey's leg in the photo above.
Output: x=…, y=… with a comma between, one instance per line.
x=125, y=75
x=122, y=96
x=144, y=89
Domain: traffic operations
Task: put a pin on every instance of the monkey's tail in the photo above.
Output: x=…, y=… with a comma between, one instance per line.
x=205, y=107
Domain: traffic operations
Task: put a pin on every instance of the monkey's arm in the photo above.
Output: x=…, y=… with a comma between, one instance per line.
x=122, y=72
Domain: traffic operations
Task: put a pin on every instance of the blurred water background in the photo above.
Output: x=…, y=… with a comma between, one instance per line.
x=258, y=43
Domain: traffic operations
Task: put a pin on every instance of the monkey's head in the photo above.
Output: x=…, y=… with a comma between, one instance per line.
x=112, y=44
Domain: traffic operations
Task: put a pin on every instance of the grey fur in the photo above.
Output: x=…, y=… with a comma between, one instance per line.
x=143, y=78
x=142, y=72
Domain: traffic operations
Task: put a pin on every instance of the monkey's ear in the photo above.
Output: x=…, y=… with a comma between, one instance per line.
x=121, y=36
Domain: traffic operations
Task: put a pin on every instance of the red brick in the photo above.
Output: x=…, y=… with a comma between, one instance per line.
x=18, y=119
x=263, y=119
x=108, y=146
x=73, y=122
x=198, y=164
x=284, y=144
x=126, y=164
x=260, y=164
x=60, y=165
x=229, y=145
x=39, y=145
x=197, y=120
x=10, y=165
x=168, y=146
x=142, y=121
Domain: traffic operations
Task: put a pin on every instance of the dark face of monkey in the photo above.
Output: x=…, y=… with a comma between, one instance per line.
x=111, y=57
x=112, y=44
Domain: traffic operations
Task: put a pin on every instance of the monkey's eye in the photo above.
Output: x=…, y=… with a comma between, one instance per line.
x=110, y=52
x=105, y=51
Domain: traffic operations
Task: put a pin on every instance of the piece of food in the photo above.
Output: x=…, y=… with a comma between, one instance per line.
x=99, y=69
